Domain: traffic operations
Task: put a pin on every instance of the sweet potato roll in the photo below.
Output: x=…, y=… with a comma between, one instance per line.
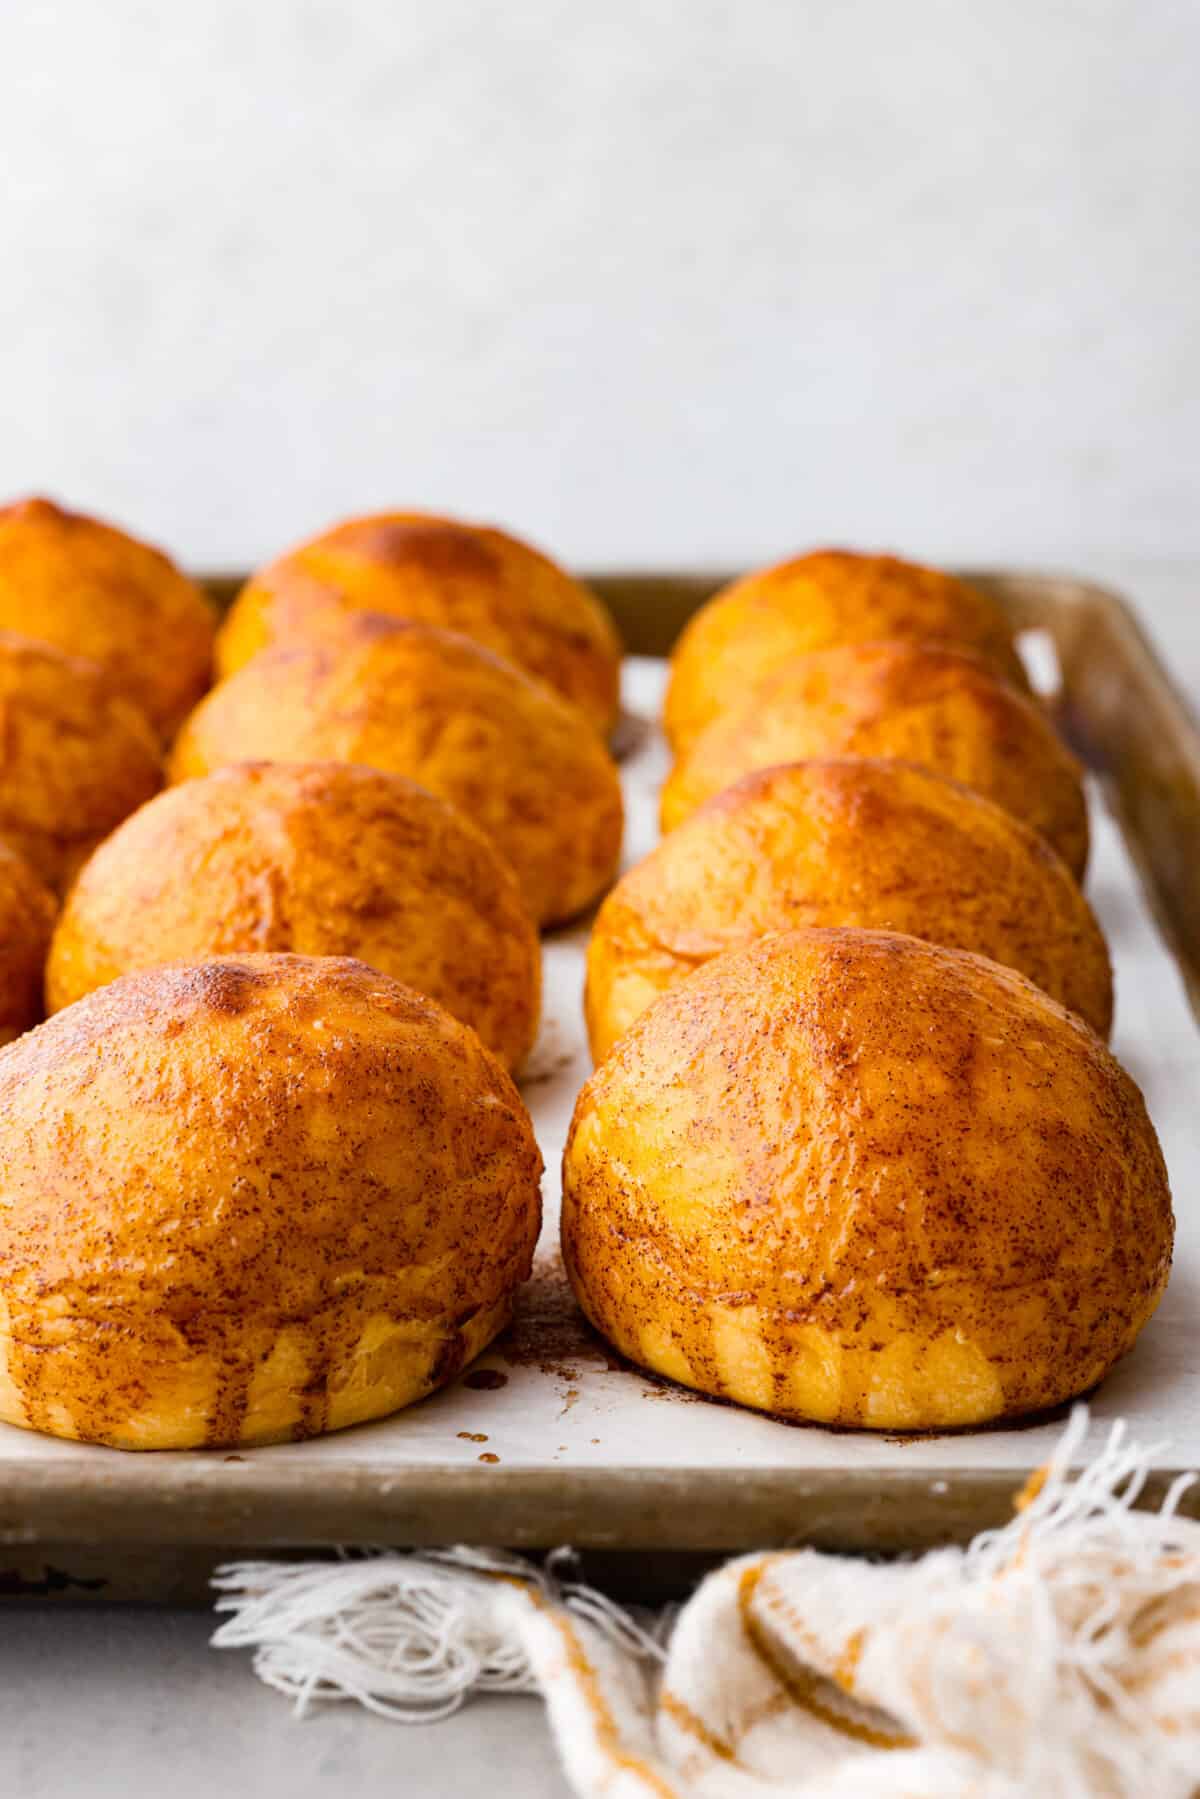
x=94, y=591
x=818, y=602
x=320, y=858
x=78, y=757
x=908, y=702
x=249, y=1200
x=855, y=1178
x=27, y=909
x=489, y=585
x=879, y=845
x=509, y=752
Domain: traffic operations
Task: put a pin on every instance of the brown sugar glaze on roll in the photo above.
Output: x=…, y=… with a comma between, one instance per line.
x=859, y=1179
x=249, y=1200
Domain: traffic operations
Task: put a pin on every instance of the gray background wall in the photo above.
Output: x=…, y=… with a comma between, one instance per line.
x=649, y=279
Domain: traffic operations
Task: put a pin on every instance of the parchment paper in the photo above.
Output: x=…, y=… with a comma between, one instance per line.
x=550, y=1395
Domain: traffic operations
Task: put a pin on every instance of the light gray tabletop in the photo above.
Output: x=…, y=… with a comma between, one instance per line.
x=117, y=1700
x=114, y=1701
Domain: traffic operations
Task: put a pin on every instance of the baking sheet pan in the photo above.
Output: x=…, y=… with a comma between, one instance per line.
x=548, y=1438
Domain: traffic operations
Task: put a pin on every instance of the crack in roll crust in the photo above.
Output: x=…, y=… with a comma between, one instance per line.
x=251, y=1200
x=876, y=845
x=324, y=859
x=95, y=592
x=855, y=1178
x=818, y=602
x=513, y=756
x=473, y=579
x=76, y=757
x=920, y=703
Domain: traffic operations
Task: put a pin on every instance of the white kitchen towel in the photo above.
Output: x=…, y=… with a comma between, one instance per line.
x=1056, y=1658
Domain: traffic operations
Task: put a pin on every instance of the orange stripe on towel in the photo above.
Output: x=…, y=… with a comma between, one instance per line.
x=604, y=1724
x=800, y=1686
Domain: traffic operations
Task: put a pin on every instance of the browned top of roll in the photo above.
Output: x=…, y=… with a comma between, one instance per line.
x=489, y=585
x=509, y=752
x=817, y=602
x=94, y=591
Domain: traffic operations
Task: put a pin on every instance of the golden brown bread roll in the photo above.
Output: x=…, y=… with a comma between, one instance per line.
x=78, y=757
x=251, y=1200
x=320, y=858
x=493, y=588
x=27, y=911
x=918, y=703
x=852, y=1177
x=93, y=591
x=818, y=602
x=503, y=747
x=877, y=845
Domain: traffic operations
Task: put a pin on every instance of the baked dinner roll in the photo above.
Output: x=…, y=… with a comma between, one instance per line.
x=881, y=845
x=817, y=602
x=855, y=1178
x=93, y=591
x=470, y=578
x=77, y=757
x=907, y=702
x=322, y=858
x=26, y=920
x=250, y=1200
x=503, y=747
